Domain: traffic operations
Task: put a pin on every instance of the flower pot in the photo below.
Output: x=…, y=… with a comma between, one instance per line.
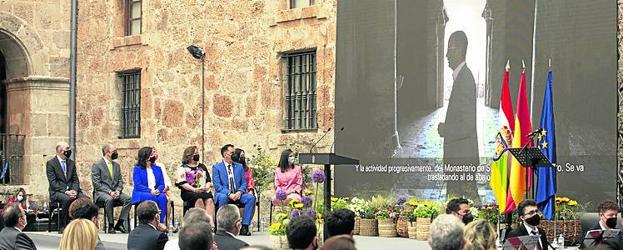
x=402, y=227
x=570, y=229
x=412, y=230
x=357, y=225
x=422, y=229
x=387, y=228
x=280, y=242
x=368, y=227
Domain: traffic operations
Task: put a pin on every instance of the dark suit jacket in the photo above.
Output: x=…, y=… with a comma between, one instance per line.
x=521, y=231
x=596, y=227
x=58, y=183
x=224, y=241
x=145, y=237
x=102, y=181
x=11, y=238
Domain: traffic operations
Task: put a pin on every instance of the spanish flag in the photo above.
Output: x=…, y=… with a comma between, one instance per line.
x=499, y=167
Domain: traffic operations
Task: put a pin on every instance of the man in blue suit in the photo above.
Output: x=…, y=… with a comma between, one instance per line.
x=230, y=185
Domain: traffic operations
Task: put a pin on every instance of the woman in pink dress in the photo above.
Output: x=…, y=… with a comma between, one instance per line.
x=288, y=177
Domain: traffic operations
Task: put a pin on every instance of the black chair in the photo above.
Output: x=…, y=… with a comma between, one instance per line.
x=116, y=203
x=54, y=208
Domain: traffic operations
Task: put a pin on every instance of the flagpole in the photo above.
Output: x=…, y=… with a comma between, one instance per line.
x=536, y=8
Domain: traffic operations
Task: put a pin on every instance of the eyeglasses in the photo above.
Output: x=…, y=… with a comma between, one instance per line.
x=533, y=212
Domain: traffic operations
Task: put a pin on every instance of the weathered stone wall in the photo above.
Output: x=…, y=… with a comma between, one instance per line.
x=244, y=102
x=34, y=40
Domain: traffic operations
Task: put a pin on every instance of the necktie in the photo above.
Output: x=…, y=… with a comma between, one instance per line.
x=64, y=167
x=110, y=170
x=232, y=186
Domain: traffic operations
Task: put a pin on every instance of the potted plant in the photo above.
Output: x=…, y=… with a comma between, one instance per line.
x=402, y=212
x=385, y=215
x=357, y=205
x=567, y=214
x=277, y=231
x=425, y=212
x=368, y=224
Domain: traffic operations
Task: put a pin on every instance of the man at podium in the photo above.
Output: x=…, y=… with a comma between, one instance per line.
x=530, y=219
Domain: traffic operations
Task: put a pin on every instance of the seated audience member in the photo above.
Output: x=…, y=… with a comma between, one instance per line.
x=228, y=223
x=194, y=181
x=607, y=218
x=80, y=234
x=341, y=221
x=63, y=182
x=21, y=198
x=339, y=242
x=11, y=236
x=193, y=215
x=231, y=186
x=196, y=236
x=302, y=233
x=108, y=184
x=239, y=157
x=530, y=219
x=149, y=181
x=83, y=208
x=446, y=233
x=146, y=235
x=459, y=207
x=480, y=235
x=288, y=177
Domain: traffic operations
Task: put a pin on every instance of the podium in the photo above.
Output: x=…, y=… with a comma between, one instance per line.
x=326, y=159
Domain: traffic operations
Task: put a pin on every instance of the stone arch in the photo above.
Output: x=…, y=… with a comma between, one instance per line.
x=21, y=45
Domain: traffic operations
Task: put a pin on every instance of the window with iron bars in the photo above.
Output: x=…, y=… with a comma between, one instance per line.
x=131, y=104
x=300, y=90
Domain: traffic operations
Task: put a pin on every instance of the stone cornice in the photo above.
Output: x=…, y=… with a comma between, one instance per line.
x=37, y=83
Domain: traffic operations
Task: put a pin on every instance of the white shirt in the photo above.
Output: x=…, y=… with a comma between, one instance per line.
x=230, y=175
x=172, y=244
x=151, y=179
x=530, y=229
x=458, y=69
x=17, y=229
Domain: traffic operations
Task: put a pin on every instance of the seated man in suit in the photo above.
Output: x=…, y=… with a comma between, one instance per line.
x=530, y=218
x=607, y=218
x=108, y=185
x=146, y=235
x=230, y=185
x=11, y=236
x=228, y=223
x=64, y=185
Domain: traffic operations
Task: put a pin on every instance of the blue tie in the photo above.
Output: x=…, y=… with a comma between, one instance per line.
x=64, y=167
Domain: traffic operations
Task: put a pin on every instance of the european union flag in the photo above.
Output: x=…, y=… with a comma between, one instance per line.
x=546, y=176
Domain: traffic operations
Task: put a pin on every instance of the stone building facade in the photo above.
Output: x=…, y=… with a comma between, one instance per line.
x=245, y=43
x=34, y=92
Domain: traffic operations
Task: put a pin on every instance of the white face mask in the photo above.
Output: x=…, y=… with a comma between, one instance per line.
x=20, y=198
x=291, y=160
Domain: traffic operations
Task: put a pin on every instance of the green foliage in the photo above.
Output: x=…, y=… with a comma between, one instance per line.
x=263, y=167
x=339, y=203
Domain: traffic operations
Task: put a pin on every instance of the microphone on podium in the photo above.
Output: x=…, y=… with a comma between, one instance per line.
x=316, y=143
x=333, y=144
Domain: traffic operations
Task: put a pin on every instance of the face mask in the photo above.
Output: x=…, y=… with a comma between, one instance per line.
x=67, y=153
x=242, y=159
x=153, y=159
x=611, y=222
x=20, y=198
x=533, y=221
x=291, y=160
x=196, y=158
x=467, y=218
x=114, y=155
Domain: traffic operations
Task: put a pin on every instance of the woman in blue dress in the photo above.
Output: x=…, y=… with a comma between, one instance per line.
x=149, y=181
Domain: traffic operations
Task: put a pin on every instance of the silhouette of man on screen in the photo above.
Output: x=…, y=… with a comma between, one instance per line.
x=460, y=146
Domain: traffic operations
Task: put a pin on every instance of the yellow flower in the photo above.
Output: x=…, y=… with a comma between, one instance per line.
x=275, y=226
x=412, y=203
x=298, y=205
x=573, y=203
x=565, y=199
x=333, y=199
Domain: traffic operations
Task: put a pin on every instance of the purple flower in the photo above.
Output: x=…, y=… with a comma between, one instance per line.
x=295, y=213
x=310, y=212
x=392, y=215
x=317, y=176
x=401, y=200
x=307, y=202
x=281, y=195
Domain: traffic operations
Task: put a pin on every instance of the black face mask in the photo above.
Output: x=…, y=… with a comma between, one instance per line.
x=67, y=153
x=153, y=159
x=114, y=155
x=611, y=222
x=196, y=158
x=467, y=218
x=533, y=221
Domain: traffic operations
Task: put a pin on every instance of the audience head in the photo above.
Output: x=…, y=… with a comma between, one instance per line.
x=227, y=151
x=480, y=235
x=62, y=150
x=228, y=219
x=84, y=208
x=20, y=196
x=446, y=233
x=239, y=157
x=459, y=207
x=196, y=215
x=14, y=216
x=529, y=213
x=144, y=155
x=286, y=160
x=339, y=242
x=302, y=233
x=109, y=152
x=80, y=234
x=341, y=221
x=148, y=213
x=191, y=155
x=608, y=213
x=196, y=236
